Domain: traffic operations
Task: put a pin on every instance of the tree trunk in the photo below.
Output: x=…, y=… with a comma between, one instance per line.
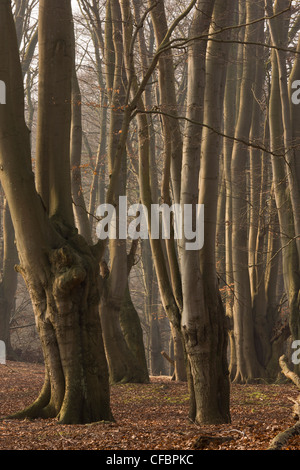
x=179, y=356
x=284, y=170
x=203, y=316
x=133, y=334
x=66, y=310
x=248, y=367
x=59, y=268
x=122, y=363
x=80, y=211
x=230, y=109
x=8, y=286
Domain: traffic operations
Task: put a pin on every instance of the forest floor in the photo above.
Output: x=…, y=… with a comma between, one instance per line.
x=147, y=416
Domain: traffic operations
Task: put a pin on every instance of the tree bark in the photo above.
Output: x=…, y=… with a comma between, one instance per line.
x=80, y=212
x=123, y=365
x=284, y=169
x=208, y=355
x=59, y=268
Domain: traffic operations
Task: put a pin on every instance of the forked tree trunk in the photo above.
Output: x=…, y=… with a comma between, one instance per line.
x=76, y=386
x=203, y=316
x=8, y=285
x=58, y=266
x=9, y=281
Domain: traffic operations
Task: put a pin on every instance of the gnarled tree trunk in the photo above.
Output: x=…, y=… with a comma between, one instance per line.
x=59, y=267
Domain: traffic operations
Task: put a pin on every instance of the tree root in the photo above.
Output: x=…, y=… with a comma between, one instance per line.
x=283, y=438
x=40, y=408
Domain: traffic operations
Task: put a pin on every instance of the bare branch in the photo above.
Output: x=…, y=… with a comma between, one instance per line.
x=242, y=141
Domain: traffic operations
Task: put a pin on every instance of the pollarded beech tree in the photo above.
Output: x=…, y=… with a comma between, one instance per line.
x=59, y=267
x=124, y=365
x=197, y=313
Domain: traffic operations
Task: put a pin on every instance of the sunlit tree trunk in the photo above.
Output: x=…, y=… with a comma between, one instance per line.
x=8, y=285
x=80, y=212
x=229, y=127
x=247, y=365
x=282, y=115
x=124, y=366
x=172, y=141
x=60, y=269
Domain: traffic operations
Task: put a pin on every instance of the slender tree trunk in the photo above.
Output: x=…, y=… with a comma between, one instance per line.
x=248, y=367
x=9, y=282
x=229, y=127
x=123, y=365
x=80, y=211
x=8, y=286
x=168, y=101
x=284, y=171
x=180, y=367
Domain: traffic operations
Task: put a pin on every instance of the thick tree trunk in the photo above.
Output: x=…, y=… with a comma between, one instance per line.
x=8, y=284
x=133, y=334
x=123, y=365
x=193, y=320
x=229, y=127
x=59, y=268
